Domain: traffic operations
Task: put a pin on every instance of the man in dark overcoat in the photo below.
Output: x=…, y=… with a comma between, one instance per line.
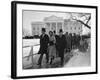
x=61, y=46
x=44, y=40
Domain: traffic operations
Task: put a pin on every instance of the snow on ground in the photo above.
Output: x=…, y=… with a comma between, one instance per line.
x=30, y=43
x=79, y=59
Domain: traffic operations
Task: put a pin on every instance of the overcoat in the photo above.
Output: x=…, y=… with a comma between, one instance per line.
x=61, y=45
x=44, y=40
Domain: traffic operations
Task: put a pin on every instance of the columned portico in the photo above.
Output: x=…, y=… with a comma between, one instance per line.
x=54, y=23
x=54, y=26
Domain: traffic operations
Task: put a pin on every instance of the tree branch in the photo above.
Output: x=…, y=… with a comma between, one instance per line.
x=83, y=23
x=88, y=20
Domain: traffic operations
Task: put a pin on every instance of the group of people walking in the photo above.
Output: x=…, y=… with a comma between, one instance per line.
x=52, y=46
x=72, y=41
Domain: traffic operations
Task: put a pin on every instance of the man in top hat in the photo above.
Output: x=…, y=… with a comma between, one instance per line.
x=44, y=40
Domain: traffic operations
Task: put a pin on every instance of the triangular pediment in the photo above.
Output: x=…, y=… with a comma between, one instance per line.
x=53, y=18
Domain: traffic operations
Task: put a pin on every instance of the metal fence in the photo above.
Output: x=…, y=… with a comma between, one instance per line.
x=31, y=54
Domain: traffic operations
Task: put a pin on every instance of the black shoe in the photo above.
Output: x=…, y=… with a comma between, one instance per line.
x=53, y=58
x=50, y=62
x=47, y=61
x=38, y=64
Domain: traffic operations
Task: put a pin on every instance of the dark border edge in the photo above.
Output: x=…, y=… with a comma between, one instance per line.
x=54, y=4
x=13, y=40
x=56, y=75
x=97, y=39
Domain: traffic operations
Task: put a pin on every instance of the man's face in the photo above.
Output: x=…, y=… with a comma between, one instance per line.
x=60, y=33
x=43, y=32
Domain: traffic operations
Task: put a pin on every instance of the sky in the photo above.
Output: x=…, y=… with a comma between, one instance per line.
x=33, y=16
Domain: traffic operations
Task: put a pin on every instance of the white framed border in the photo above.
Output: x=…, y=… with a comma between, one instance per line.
x=36, y=72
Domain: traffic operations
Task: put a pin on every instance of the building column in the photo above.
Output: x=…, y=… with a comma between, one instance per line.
x=56, y=27
x=63, y=27
x=50, y=26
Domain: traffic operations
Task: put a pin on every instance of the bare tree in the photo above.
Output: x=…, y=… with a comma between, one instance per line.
x=83, y=18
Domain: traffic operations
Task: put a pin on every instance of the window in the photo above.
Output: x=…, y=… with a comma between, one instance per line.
x=59, y=25
x=75, y=28
x=48, y=24
x=33, y=28
x=37, y=28
x=71, y=28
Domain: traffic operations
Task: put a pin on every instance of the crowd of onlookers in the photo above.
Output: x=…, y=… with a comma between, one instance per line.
x=72, y=41
x=76, y=41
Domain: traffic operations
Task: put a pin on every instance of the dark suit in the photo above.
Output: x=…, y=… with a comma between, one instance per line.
x=44, y=40
x=61, y=46
x=56, y=44
x=68, y=42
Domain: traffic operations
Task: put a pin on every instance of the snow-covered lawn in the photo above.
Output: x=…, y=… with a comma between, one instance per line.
x=28, y=44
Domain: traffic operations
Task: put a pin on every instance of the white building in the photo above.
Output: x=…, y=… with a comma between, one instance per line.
x=36, y=28
x=72, y=26
x=52, y=23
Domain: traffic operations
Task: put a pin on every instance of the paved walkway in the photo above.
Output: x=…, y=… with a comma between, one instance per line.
x=79, y=59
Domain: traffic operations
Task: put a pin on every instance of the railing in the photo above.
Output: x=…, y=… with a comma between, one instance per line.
x=30, y=53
